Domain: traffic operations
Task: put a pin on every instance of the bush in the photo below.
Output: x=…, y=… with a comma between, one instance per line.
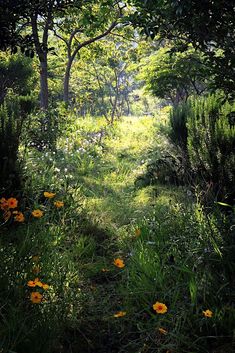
x=13, y=114
x=204, y=129
x=211, y=145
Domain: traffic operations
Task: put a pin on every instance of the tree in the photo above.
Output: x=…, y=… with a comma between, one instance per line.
x=103, y=78
x=174, y=76
x=78, y=29
x=208, y=25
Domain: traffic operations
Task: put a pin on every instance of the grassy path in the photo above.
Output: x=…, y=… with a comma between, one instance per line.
x=89, y=304
x=114, y=208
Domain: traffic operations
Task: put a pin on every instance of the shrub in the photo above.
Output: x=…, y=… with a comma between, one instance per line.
x=13, y=114
x=211, y=144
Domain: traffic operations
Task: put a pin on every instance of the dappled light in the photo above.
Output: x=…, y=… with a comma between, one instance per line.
x=117, y=174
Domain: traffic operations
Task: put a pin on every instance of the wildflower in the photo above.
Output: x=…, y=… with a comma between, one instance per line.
x=38, y=282
x=19, y=217
x=36, y=297
x=7, y=215
x=31, y=284
x=36, y=270
x=58, y=204
x=137, y=232
x=120, y=314
x=119, y=263
x=37, y=213
x=162, y=331
x=160, y=308
x=35, y=258
x=3, y=204
x=45, y=286
x=12, y=202
x=207, y=313
x=49, y=195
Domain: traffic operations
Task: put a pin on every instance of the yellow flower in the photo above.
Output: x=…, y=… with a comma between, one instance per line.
x=7, y=215
x=38, y=282
x=19, y=217
x=45, y=286
x=3, y=204
x=36, y=297
x=137, y=232
x=12, y=202
x=34, y=283
x=160, y=308
x=37, y=213
x=58, y=204
x=120, y=314
x=162, y=331
x=49, y=195
x=207, y=313
x=119, y=263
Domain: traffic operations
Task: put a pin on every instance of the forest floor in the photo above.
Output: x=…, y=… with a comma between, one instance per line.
x=107, y=246
x=116, y=205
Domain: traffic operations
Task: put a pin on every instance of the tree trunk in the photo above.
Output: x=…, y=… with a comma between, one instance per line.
x=43, y=84
x=66, y=80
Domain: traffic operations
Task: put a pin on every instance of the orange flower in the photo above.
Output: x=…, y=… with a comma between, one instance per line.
x=31, y=284
x=119, y=263
x=12, y=202
x=207, y=313
x=19, y=217
x=120, y=314
x=45, y=286
x=160, y=308
x=37, y=213
x=38, y=282
x=49, y=195
x=137, y=232
x=3, y=204
x=34, y=283
x=58, y=204
x=36, y=297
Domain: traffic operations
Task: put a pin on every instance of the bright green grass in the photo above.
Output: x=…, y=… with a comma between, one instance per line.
x=103, y=208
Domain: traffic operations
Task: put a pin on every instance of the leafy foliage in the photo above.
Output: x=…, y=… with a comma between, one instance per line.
x=174, y=76
x=208, y=25
x=13, y=114
x=16, y=73
x=211, y=144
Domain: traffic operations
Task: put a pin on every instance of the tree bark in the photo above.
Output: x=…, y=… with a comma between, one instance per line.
x=41, y=50
x=71, y=56
x=66, y=80
x=43, y=83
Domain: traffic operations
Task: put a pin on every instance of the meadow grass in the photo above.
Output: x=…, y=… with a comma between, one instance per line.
x=172, y=251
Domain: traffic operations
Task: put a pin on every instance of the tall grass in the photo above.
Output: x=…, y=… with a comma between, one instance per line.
x=173, y=252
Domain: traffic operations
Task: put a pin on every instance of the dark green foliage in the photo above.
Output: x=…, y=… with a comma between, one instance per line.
x=16, y=72
x=13, y=113
x=178, y=122
x=211, y=144
x=204, y=129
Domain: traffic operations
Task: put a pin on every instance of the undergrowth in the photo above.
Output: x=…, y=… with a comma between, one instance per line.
x=110, y=252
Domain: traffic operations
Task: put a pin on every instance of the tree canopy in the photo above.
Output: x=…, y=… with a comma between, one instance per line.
x=208, y=25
